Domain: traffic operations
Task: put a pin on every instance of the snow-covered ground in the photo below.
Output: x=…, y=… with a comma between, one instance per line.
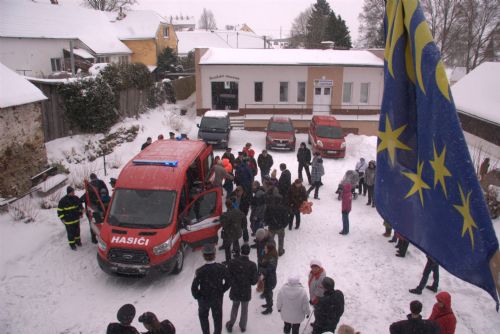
x=47, y=288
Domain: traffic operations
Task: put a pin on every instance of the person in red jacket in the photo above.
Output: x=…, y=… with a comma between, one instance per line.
x=443, y=315
x=346, y=207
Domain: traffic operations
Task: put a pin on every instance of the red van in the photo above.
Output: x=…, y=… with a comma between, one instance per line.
x=280, y=134
x=159, y=207
x=326, y=137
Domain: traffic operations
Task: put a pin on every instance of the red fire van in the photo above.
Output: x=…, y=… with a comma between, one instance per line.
x=327, y=137
x=159, y=206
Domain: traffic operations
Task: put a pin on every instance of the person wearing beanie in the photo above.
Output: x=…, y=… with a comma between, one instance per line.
x=443, y=315
x=70, y=210
x=293, y=304
x=210, y=283
x=125, y=316
x=154, y=326
x=329, y=308
x=414, y=322
x=262, y=238
x=316, y=276
x=242, y=274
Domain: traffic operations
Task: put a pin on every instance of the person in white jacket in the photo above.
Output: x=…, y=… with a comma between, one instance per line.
x=293, y=304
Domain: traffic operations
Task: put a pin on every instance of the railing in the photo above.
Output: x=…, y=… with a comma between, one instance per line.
x=308, y=109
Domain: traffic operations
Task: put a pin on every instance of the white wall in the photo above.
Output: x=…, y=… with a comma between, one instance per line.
x=271, y=76
x=358, y=75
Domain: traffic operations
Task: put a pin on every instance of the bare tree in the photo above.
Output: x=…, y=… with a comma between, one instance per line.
x=298, y=32
x=109, y=5
x=207, y=20
x=371, y=24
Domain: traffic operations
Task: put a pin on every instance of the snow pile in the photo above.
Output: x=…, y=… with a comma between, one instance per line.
x=16, y=90
x=47, y=288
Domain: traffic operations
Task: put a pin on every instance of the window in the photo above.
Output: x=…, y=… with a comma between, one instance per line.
x=103, y=59
x=203, y=207
x=317, y=91
x=123, y=60
x=365, y=92
x=327, y=91
x=165, y=32
x=347, y=92
x=283, y=91
x=56, y=64
x=258, y=91
x=301, y=91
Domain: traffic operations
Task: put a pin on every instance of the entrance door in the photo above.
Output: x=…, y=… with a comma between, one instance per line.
x=224, y=95
x=322, y=96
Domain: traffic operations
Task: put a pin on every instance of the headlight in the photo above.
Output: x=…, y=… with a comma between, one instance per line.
x=291, y=139
x=101, y=244
x=319, y=143
x=163, y=248
x=223, y=140
x=269, y=138
x=342, y=146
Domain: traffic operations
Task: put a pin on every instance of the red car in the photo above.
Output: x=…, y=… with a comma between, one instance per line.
x=326, y=137
x=280, y=134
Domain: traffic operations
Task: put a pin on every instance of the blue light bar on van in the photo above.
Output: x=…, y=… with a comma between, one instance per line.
x=167, y=163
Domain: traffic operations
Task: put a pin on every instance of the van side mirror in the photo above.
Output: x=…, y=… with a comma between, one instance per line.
x=198, y=125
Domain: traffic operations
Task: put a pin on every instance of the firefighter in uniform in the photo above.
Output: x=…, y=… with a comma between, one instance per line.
x=69, y=211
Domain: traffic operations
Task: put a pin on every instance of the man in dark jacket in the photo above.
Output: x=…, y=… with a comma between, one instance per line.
x=265, y=162
x=329, y=309
x=231, y=222
x=209, y=284
x=147, y=143
x=296, y=196
x=415, y=323
x=69, y=211
x=125, y=316
x=430, y=266
x=258, y=205
x=243, y=274
x=304, y=159
x=228, y=155
x=276, y=218
x=243, y=176
x=284, y=181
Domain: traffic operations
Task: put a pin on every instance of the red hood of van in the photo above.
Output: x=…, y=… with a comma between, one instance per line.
x=280, y=135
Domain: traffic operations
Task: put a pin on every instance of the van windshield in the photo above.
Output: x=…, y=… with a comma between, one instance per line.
x=142, y=208
x=280, y=127
x=332, y=132
x=214, y=123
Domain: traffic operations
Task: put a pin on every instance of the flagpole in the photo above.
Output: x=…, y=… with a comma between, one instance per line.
x=495, y=269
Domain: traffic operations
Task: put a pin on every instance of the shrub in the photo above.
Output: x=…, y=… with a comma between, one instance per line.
x=24, y=210
x=184, y=87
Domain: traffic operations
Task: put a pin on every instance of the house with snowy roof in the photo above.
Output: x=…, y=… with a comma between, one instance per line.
x=145, y=32
x=254, y=84
x=37, y=39
x=22, y=149
x=478, y=102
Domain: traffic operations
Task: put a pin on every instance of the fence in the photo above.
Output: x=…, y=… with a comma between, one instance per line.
x=55, y=124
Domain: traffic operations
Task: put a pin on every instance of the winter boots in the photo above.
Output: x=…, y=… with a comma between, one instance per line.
x=415, y=291
x=432, y=288
x=73, y=246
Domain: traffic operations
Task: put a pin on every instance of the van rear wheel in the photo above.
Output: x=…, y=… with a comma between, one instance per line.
x=179, y=261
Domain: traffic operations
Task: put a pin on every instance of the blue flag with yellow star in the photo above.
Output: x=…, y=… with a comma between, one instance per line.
x=426, y=186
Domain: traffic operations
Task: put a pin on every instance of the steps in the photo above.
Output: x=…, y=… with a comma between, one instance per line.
x=237, y=122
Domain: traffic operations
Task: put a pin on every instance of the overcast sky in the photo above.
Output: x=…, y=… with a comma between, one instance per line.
x=265, y=17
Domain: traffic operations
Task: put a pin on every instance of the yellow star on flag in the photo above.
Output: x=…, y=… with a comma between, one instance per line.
x=464, y=210
x=418, y=183
x=389, y=140
x=440, y=170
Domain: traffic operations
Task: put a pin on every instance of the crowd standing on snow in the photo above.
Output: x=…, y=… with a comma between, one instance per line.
x=273, y=206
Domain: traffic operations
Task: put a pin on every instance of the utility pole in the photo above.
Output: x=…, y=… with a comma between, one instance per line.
x=72, y=58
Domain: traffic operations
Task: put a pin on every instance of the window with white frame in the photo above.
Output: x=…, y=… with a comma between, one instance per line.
x=123, y=60
x=301, y=91
x=283, y=91
x=347, y=92
x=103, y=59
x=165, y=32
x=55, y=63
x=364, y=93
x=258, y=89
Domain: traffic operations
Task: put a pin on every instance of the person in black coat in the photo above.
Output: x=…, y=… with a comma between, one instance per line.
x=329, y=308
x=125, y=316
x=230, y=156
x=210, y=283
x=232, y=221
x=284, y=182
x=147, y=143
x=154, y=326
x=265, y=162
x=304, y=159
x=243, y=274
x=267, y=268
x=70, y=210
x=276, y=218
x=414, y=323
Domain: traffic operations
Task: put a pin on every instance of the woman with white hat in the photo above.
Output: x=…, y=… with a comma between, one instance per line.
x=293, y=304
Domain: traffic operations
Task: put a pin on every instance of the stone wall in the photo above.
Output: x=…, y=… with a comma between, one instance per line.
x=22, y=149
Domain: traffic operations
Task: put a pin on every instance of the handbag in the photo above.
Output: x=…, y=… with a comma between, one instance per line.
x=260, y=285
x=306, y=207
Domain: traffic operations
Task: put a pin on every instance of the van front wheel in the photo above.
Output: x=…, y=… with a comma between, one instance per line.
x=179, y=261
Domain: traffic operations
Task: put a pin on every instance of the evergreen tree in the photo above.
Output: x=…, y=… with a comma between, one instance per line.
x=167, y=61
x=338, y=33
x=317, y=24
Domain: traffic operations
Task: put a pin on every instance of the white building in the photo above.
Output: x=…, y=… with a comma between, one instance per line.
x=257, y=83
x=34, y=37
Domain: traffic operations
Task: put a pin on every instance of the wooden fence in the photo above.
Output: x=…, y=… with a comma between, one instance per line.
x=55, y=124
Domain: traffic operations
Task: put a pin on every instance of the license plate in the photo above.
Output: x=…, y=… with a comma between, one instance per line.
x=281, y=145
x=212, y=142
x=332, y=152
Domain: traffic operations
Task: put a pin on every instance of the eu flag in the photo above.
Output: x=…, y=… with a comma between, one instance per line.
x=426, y=187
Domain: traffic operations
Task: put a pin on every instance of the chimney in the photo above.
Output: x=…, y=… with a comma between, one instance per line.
x=121, y=14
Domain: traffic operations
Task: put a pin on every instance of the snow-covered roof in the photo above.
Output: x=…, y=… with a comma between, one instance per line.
x=81, y=53
x=189, y=40
x=137, y=24
x=16, y=90
x=216, y=114
x=215, y=56
x=27, y=19
x=457, y=73
x=477, y=93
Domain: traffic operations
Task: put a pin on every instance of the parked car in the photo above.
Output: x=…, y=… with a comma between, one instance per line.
x=280, y=134
x=215, y=128
x=327, y=137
